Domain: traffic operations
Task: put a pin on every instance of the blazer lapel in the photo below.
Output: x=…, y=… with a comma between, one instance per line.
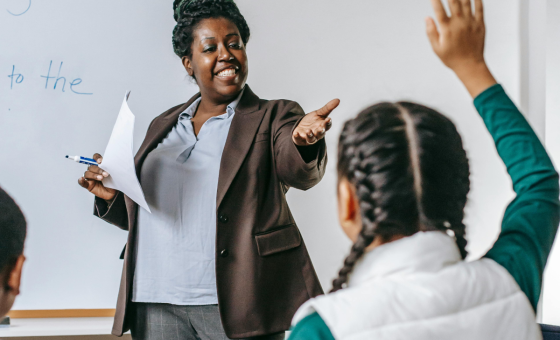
x=241, y=134
x=157, y=132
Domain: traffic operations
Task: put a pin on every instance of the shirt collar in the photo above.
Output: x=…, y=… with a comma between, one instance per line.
x=428, y=251
x=191, y=110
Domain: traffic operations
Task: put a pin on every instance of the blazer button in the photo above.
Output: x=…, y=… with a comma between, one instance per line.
x=223, y=218
x=224, y=253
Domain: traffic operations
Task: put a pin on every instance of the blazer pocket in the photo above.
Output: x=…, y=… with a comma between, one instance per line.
x=262, y=137
x=282, y=239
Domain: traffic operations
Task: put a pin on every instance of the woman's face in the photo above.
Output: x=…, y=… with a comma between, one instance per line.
x=219, y=60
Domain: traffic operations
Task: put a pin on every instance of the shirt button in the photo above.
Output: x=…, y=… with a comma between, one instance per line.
x=223, y=218
x=224, y=253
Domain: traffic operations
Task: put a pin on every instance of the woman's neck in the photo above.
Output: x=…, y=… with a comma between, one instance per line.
x=210, y=106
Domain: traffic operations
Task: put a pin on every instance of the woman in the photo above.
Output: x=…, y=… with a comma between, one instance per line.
x=220, y=252
x=403, y=184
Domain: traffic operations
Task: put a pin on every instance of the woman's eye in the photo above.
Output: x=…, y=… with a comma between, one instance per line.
x=235, y=46
x=209, y=49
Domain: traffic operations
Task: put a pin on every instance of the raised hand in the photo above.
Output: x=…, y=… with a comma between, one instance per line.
x=313, y=127
x=459, y=42
x=92, y=180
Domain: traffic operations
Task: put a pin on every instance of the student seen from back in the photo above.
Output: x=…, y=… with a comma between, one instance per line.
x=12, y=236
x=403, y=184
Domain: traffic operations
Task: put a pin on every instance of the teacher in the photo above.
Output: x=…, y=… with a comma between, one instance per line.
x=220, y=254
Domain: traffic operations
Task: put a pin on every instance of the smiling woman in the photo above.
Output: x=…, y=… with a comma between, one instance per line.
x=220, y=254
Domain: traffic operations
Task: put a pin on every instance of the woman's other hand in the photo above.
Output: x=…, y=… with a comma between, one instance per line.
x=92, y=181
x=459, y=42
x=313, y=127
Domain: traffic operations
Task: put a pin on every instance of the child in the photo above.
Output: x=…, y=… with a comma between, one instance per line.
x=403, y=184
x=12, y=236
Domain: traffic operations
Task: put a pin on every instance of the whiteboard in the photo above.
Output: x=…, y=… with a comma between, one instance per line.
x=309, y=51
x=96, y=51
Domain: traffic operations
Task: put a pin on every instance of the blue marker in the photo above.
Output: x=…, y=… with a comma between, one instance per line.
x=82, y=160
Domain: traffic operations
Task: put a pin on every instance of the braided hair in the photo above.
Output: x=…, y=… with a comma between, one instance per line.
x=189, y=13
x=410, y=173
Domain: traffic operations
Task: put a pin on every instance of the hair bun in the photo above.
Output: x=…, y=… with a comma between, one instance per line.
x=180, y=6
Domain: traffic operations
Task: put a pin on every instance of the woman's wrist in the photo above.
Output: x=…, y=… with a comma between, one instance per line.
x=476, y=77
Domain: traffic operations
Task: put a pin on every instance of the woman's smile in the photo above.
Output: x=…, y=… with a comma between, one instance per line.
x=228, y=73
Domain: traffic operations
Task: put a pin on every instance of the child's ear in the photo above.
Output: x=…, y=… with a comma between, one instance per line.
x=14, y=279
x=349, y=209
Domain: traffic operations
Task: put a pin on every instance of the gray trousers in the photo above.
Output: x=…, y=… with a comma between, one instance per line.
x=159, y=321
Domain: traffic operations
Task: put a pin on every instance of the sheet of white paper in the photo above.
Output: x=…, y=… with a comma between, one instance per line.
x=118, y=159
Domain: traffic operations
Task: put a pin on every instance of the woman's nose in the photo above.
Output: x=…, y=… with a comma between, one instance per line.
x=225, y=55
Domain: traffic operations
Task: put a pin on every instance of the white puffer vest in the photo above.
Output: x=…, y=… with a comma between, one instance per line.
x=418, y=288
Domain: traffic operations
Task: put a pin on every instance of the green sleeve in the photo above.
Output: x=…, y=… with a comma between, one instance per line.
x=532, y=218
x=311, y=327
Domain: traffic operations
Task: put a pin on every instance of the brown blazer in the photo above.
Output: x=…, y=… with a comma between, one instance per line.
x=263, y=270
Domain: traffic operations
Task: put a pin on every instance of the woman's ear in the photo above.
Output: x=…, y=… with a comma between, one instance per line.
x=349, y=209
x=188, y=65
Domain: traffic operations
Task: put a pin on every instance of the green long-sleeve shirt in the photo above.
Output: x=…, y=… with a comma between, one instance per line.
x=531, y=219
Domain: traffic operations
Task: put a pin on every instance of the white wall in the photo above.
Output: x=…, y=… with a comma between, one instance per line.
x=367, y=51
x=361, y=51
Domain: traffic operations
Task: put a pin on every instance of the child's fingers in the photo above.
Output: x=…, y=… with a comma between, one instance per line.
x=478, y=10
x=433, y=33
x=455, y=7
x=441, y=14
x=467, y=8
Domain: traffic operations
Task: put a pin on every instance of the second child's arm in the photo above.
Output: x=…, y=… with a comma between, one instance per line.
x=531, y=220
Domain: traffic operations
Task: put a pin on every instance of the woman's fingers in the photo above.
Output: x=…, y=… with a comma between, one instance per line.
x=303, y=138
x=433, y=33
x=310, y=137
x=441, y=14
x=93, y=176
x=98, y=158
x=455, y=8
x=98, y=170
x=326, y=110
x=478, y=10
x=83, y=183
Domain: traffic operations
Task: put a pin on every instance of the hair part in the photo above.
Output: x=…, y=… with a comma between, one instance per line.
x=189, y=14
x=410, y=171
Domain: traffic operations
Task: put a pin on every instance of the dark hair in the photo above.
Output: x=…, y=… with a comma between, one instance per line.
x=410, y=172
x=13, y=229
x=189, y=13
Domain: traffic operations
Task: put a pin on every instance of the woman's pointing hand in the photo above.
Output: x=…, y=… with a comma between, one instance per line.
x=313, y=127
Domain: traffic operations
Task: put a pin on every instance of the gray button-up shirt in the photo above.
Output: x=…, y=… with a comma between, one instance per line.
x=176, y=242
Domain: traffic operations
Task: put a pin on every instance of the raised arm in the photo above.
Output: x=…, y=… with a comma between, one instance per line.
x=531, y=220
x=299, y=145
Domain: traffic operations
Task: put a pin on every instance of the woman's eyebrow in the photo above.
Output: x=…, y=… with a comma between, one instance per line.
x=229, y=35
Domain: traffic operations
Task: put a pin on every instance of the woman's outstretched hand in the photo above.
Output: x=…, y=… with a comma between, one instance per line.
x=459, y=42
x=92, y=181
x=313, y=127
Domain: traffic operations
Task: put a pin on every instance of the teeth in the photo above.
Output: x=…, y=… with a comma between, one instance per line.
x=227, y=72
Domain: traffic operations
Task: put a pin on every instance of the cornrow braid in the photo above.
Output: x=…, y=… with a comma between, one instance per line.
x=410, y=172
